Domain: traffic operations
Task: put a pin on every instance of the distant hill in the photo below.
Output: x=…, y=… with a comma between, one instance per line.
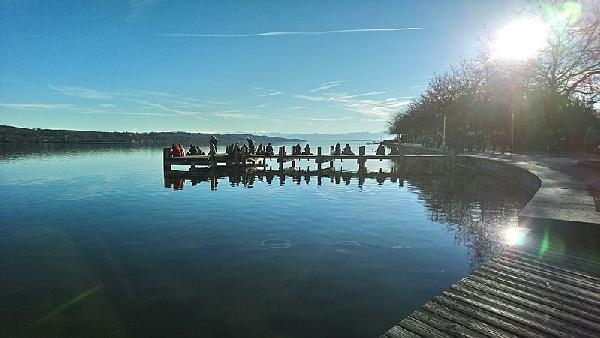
x=9, y=134
x=354, y=136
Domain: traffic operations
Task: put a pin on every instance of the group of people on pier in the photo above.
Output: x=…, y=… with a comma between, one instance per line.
x=297, y=149
x=177, y=150
x=250, y=148
x=394, y=150
x=337, y=150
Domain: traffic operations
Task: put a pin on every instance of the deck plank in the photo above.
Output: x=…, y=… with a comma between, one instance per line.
x=514, y=295
x=466, y=321
x=556, y=301
x=561, y=277
x=398, y=332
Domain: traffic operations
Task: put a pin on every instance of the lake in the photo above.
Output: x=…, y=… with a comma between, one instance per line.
x=93, y=244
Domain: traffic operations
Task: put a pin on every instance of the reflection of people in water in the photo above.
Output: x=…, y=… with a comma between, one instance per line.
x=347, y=150
x=234, y=180
x=338, y=179
x=380, y=149
x=307, y=178
x=380, y=177
x=250, y=181
x=178, y=184
x=269, y=177
x=347, y=177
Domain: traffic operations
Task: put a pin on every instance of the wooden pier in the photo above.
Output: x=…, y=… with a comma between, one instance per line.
x=514, y=295
x=240, y=160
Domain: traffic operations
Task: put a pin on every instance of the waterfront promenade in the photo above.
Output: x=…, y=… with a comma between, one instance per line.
x=549, y=287
x=567, y=189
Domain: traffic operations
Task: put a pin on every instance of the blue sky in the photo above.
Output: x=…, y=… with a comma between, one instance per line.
x=259, y=66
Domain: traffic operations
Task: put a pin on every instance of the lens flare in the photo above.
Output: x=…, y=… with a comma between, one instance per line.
x=520, y=39
x=514, y=236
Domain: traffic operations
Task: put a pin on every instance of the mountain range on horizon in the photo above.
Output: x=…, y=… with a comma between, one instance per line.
x=351, y=136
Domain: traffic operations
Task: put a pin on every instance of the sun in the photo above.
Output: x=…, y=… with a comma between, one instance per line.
x=520, y=39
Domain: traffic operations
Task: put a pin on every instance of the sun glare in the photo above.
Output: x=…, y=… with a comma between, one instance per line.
x=520, y=39
x=515, y=236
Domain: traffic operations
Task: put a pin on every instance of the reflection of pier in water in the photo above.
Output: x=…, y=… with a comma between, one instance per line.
x=246, y=168
x=176, y=178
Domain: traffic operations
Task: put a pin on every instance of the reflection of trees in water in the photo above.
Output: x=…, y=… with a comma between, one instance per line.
x=475, y=208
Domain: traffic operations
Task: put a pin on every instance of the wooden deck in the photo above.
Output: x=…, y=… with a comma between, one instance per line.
x=513, y=295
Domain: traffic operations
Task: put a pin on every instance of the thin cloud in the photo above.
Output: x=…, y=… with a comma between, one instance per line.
x=149, y=114
x=309, y=97
x=364, y=94
x=165, y=108
x=81, y=92
x=285, y=33
x=31, y=106
x=270, y=94
x=243, y=116
x=326, y=85
x=267, y=91
x=382, y=108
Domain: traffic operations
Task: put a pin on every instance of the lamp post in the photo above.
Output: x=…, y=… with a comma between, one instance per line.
x=512, y=133
x=444, y=135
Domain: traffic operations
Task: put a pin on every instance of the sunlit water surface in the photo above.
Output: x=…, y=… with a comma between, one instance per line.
x=94, y=245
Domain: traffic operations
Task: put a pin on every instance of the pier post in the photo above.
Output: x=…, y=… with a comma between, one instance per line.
x=213, y=160
x=293, y=164
x=361, y=159
x=166, y=161
x=281, y=150
x=319, y=160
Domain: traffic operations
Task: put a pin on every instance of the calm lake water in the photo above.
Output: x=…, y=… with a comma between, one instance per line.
x=94, y=245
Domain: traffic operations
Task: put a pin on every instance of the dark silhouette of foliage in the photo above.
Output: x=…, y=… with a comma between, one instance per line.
x=550, y=97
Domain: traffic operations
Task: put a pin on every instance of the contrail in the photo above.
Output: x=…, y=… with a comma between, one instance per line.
x=361, y=30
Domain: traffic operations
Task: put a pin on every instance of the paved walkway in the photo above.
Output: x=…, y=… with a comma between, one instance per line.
x=566, y=191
